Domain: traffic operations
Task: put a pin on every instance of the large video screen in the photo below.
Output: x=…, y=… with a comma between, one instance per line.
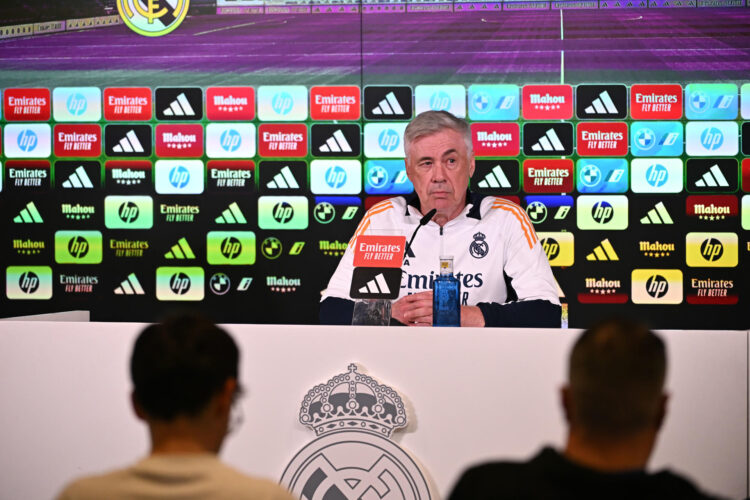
x=224, y=166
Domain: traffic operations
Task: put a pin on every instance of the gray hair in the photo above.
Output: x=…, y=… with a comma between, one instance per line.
x=432, y=122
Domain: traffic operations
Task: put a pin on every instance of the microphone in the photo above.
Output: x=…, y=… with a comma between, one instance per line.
x=423, y=221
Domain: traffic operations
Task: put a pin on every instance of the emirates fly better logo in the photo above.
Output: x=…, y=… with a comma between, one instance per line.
x=153, y=17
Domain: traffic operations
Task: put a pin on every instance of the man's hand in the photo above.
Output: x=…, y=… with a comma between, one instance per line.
x=471, y=316
x=414, y=309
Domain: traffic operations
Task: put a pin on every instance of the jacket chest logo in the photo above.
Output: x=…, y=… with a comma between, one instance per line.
x=479, y=248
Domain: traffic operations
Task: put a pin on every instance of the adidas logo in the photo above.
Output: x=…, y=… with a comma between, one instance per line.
x=130, y=286
x=180, y=107
x=130, y=143
x=548, y=142
x=602, y=105
x=657, y=215
x=388, y=106
x=337, y=143
x=28, y=215
x=713, y=178
x=376, y=285
x=231, y=215
x=604, y=251
x=283, y=180
x=180, y=250
x=78, y=179
x=495, y=179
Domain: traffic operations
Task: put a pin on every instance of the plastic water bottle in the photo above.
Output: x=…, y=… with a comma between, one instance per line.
x=446, y=308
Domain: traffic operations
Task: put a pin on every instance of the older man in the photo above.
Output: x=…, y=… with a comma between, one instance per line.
x=497, y=256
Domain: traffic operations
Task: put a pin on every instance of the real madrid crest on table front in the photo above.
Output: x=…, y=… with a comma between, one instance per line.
x=353, y=456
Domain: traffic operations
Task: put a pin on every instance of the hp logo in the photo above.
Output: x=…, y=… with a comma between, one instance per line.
x=481, y=102
x=179, y=283
x=657, y=286
x=712, y=138
x=388, y=140
x=78, y=247
x=551, y=248
x=231, y=247
x=440, y=101
x=378, y=176
x=179, y=177
x=28, y=282
x=602, y=212
x=657, y=175
x=282, y=212
x=645, y=138
x=712, y=249
x=282, y=103
x=699, y=102
x=230, y=140
x=335, y=177
x=128, y=212
x=76, y=104
x=27, y=140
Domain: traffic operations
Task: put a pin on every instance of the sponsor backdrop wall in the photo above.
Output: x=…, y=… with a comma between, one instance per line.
x=224, y=165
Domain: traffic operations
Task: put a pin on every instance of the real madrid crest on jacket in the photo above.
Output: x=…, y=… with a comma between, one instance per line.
x=353, y=456
x=492, y=243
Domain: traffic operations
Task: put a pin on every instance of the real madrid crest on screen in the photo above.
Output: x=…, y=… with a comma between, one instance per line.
x=153, y=17
x=353, y=456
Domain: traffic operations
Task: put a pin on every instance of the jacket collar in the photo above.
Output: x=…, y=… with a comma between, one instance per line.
x=473, y=199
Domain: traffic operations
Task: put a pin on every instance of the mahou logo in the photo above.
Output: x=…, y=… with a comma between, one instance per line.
x=334, y=103
x=602, y=139
x=230, y=103
x=656, y=102
x=127, y=103
x=712, y=208
x=283, y=140
x=80, y=141
x=496, y=139
x=27, y=105
x=128, y=175
x=179, y=141
x=547, y=102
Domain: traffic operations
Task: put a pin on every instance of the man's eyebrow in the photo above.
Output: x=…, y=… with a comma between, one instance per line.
x=445, y=153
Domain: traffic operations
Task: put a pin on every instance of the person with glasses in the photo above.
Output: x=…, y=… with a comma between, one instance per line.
x=184, y=373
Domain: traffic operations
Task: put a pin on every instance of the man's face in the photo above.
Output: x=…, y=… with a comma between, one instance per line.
x=439, y=167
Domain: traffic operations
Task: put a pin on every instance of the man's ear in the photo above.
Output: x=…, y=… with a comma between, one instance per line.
x=407, y=167
x=472, y=166
x=137, y=408
x=566, y=403
x=661, y=413
x=225, y=397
